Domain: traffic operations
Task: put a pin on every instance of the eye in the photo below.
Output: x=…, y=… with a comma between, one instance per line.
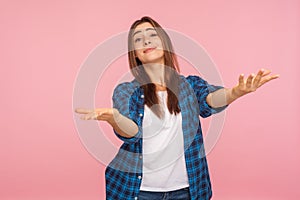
x=153, y=35
x=137, y=40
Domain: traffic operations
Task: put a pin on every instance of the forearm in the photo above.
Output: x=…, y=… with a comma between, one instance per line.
x=222, y=97
x=123, y=125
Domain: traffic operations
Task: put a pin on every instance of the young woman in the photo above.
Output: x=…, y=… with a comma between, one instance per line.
x=157, y=117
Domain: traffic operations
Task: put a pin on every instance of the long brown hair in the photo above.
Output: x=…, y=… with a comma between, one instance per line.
x=171, y=70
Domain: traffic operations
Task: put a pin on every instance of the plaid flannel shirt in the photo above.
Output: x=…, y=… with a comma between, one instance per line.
x=124, y=173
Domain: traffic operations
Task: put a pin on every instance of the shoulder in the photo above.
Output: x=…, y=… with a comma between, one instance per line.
x=123, y=86
x=193, y=80
x=126, y=87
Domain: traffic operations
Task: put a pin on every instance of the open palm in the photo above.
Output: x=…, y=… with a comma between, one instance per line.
x=253, y=82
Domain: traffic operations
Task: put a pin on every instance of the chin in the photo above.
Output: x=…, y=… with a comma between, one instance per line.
x=157, y=60
x=153, y=59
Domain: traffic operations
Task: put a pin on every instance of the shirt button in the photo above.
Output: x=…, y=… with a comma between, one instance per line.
x=142, y=96
x=141, y=114
x=141, y=157
x=139, y=177
x=135, y=198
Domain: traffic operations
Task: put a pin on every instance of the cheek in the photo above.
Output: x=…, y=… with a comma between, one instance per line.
x=158, y=43
x=138, y=52
x=137, y=47
x=161, y=53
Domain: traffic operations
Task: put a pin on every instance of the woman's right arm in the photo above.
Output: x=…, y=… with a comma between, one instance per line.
x=121, y=124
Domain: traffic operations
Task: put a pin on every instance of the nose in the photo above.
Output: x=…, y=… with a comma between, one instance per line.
x=147, y=42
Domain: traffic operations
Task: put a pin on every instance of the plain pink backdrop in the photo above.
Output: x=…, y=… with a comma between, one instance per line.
x=43, y=44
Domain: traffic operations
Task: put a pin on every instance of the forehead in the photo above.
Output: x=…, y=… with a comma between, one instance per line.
x=143, y=26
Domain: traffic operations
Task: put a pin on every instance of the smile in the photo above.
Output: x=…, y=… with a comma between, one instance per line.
x=149, y=50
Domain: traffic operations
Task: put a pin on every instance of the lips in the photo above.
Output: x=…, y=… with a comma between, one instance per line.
x=149, y=50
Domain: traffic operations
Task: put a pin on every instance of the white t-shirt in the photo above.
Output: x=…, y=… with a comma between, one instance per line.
x=164, y=166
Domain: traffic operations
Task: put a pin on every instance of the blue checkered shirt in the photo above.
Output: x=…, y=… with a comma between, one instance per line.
x=125, y=172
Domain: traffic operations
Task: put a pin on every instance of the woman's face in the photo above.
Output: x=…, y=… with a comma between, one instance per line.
x=147, y=44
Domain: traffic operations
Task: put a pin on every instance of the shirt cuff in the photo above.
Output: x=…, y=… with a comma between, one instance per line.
x=132, y=139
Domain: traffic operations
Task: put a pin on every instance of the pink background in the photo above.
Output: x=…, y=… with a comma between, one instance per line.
x=43, y=44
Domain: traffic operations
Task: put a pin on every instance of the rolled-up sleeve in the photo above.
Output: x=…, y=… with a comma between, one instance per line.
x=202, y=89
x=121, y=101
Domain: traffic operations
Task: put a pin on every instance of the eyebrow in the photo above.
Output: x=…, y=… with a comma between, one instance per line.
x=147, y=29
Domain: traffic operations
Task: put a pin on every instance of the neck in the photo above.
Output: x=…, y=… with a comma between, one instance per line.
x=156, y=73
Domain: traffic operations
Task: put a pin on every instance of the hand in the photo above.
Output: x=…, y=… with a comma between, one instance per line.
x=104, y=114
x=252, y=83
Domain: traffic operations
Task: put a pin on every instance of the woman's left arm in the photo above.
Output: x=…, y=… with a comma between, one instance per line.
x=226, y=96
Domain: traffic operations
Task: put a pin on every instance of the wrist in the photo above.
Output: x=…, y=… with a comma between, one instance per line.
x=116, y=117
x=235, y=93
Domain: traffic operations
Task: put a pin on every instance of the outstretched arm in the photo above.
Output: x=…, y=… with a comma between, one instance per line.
x=226, y=96
x=123, y=125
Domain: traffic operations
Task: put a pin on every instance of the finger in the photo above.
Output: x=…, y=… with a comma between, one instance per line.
x=266, y=72
x=102, y=116
x=268, y=79
x=83, y=111
x=261, y=72
x=249, y=80
x=105, y=111
x=91, y=116
x=83, y=117
x=241, y=80
x=99, y=115
x=258, y=77
x=95, y=115
x=87, y=116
